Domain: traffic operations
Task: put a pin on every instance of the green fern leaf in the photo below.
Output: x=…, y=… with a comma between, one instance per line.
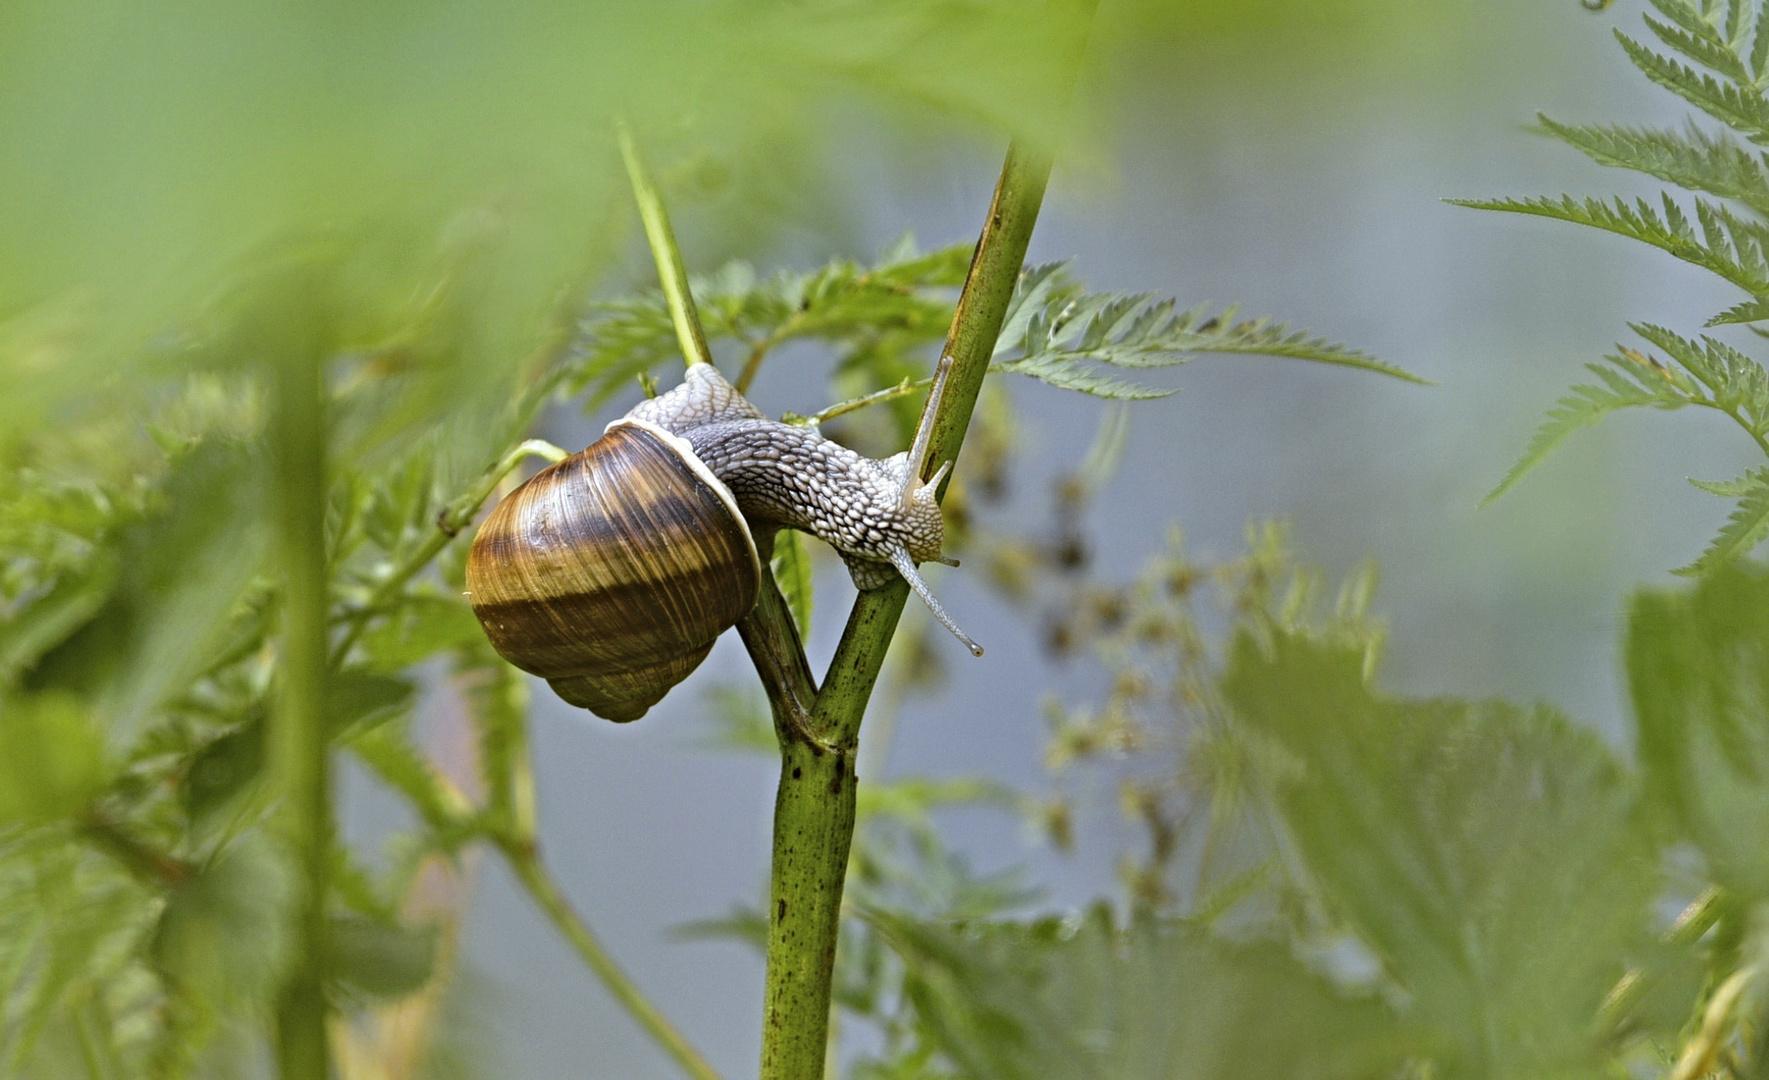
x=1035, y=293
x=1760, y=47
x=1744, y=529
x=1726, y=489
x=1736, y=20
x=1735, y=382
x=906, y=294
x=1691, y=19
x=1060, y=332
x=1729, y=246
x=1706, y=49
x=1067, y=374
x=1583, y=407
x=1742, y=109
x=1750, y=311
x=1696, y=161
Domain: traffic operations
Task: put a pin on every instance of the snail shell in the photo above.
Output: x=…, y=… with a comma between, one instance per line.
x=611, y=573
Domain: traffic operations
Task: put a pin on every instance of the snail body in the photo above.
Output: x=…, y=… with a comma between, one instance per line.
x=611, y=573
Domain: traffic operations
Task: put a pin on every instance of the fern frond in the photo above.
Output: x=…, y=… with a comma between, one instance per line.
x=1069, y=374
x=1624, y=387
x=1691, y=19
x=1760, y=46
x=1726, y=489
x=1735, y=382
x=1697, y=160
x=1706, y=48
x=1727, y=245
x=1745, y=528
x=1741, y=108
x=1750, y=311
x=906, y=293
x=1060, y=331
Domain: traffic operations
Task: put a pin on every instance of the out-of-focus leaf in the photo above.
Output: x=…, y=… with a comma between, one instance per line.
x=499, y=694
x=1698, y=671
x=180, y=572
x=739, y=720
x=389, y=752
x=72, y=926
x=253, y=121
x=1493, y=856
x=223, y=767
x=360, y=699
x=913, y=798
x=380, y=959
x=224, y=931
x=52, y=760
x=1159, y=1001
x=792, y=569
x=423, y=626
x=902, y=865
x=745, y=924
x=48, y=621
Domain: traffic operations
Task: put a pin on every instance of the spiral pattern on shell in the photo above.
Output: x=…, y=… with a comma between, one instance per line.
x=611, y=573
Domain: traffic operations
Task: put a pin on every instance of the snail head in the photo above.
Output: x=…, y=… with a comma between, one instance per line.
x=924, y=529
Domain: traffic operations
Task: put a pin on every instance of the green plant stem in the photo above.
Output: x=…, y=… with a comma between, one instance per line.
x=302, y=752
x=814, y=808
x=842, y=408
x=525, y=862
x=1737, y=418
x=662, y=239
x=148, y=863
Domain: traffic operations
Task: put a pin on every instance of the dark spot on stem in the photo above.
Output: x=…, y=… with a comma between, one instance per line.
x=780, y=912
x=797, y=772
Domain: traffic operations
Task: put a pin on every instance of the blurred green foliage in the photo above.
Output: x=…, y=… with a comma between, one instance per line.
x=1336, y=882
x=1726, y=234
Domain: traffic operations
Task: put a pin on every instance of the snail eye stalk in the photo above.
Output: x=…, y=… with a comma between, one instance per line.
x=924, y=436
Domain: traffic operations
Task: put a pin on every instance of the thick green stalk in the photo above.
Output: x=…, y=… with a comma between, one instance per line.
x=814, y=807
x=302, y=753
x=662, y=239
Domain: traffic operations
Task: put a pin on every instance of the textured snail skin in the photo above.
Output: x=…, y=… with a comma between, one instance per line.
x=792, y=476
x=879, y=515
x=611, y=573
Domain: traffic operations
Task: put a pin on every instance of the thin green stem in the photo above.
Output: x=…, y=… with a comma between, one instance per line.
x=814, y=809
x=1757, y=436
x=982, y=307
x=302, y=751
x=662, y=239
x=757, y=353
x=145, y=861
x=842, y=408
x=526, y=863
x=760, y=350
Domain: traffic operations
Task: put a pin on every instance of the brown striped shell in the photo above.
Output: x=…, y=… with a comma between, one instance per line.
x=611, y=573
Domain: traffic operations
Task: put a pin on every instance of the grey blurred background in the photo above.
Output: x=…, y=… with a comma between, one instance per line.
x=1299, y=174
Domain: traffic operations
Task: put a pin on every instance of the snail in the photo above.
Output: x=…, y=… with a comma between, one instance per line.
x=611, y=573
